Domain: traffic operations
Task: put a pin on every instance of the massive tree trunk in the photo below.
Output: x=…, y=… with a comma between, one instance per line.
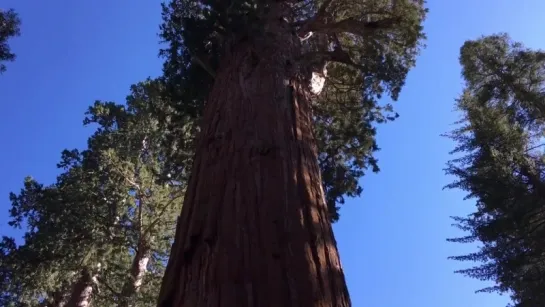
x=82, y=290
x=254, y=229
x=138, y=270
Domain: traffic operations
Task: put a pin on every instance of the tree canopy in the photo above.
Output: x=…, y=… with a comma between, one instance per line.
x=115, y=203
x=364, y=49
x=109, y=216
x=9, y=27
x=502, y=165
x=107, y=223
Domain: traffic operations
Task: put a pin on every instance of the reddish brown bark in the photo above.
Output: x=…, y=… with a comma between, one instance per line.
x=254, y=229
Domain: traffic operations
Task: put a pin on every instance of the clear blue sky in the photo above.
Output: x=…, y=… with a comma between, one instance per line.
x=392, y=240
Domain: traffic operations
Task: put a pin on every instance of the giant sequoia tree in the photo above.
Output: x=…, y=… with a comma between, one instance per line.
x=283, y=88
x=502, y=166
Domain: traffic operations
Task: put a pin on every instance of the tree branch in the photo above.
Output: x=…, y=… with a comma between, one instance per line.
x=535, y=147
x=338, y=55
x=318, y=18
x=110, y=288
x=352, y=25
x=323, y=8
x=160, y=215
x=204, y=64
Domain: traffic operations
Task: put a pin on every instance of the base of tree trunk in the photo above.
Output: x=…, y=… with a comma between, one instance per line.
x=254, y=229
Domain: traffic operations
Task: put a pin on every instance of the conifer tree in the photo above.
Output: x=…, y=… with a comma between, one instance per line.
x=9, y=27
x=502, y=165
x=131, y=142
x=283, y=90
x=101, y=234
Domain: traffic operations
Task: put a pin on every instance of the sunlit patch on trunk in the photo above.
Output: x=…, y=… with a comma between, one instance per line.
x=317, y=82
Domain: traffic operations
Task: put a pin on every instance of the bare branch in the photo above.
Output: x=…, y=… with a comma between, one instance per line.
x=535, y=147
x=307, y=36
x=203, y=63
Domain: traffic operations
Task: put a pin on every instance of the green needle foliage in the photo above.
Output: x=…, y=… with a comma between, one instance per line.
x=502, y=165
x=366, y=47
x=9, y=27
x=111, y=213
x=118, y=200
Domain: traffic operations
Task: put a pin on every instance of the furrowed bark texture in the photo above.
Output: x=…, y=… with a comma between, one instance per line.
x=82, y=291
x=254, y=229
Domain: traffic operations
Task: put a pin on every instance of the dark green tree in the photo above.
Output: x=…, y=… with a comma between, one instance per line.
x=131, y=144
x=102, y=232
x=500, y=163
x=286, y=94
x=9, y=27
x=344, y=115
x=60, y=243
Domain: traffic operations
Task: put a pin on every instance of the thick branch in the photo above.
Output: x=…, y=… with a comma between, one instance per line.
x=318, y=17
x=322, y=10
x=159, y=216
x=338, y=55
x=352, y=25
x=355, y=25
x=204, y=64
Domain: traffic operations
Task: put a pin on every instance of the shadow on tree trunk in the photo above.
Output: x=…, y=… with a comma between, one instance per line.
x=255, y=229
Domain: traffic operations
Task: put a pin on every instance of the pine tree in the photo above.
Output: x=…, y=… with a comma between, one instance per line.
x=100, y=234
x=502, y=166
x=131, y=142
x=9, y=27
x=289, y=87
x=60, y=242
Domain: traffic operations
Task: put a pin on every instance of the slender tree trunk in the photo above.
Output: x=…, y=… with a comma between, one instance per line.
x=254, y=229
x=138, y=270
x=82, y=290
x=58, y=299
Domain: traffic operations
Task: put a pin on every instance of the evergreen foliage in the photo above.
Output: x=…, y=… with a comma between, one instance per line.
x=122, y=195
x=111, y=202
x=366, y=47
x=110, y=215
x=9, y=27
x=502, y=165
